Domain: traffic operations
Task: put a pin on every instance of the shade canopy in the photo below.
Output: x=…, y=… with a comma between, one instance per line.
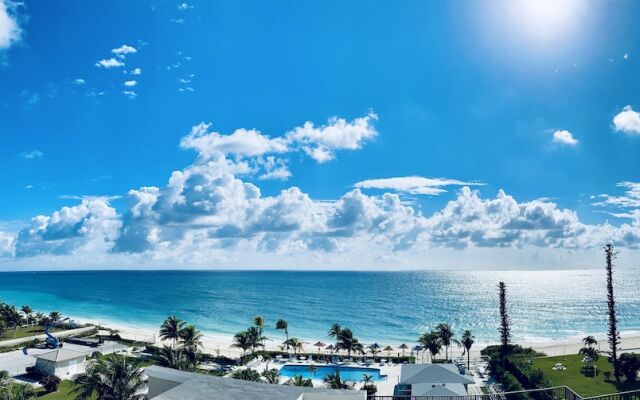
x=330, y=347
x=403, y=346
x=319, y=344
x=388, y=348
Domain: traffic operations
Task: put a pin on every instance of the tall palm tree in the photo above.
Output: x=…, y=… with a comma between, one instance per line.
x=334, y=331
x=467, y=341
x=260, y=323
x=446, y=334
x=28, y=313
x=294, y=343
x=255, y=338
x=192, y=343
x=298, y=380
x=430, y=341
x=346, y=341
x=54, y=317
x=281, y=324
x=113, y=378
x=271, y=376
x=241, y=340
x=171, y=329
x=374, y=348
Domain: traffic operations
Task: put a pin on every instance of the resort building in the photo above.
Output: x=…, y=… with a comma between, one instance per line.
x=171, y=384
x=63, y=363
x=432, y=380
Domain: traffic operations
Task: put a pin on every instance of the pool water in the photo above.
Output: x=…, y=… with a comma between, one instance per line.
x=346, y=373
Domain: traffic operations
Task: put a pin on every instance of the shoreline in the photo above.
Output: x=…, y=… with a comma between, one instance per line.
x=222, y=344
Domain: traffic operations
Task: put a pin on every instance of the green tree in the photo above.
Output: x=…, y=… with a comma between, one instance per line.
x=241, y=340
x=589, y=341
x=293, y=343
x=334, y=381
x=54, y=316
x=467, y=341
x=271, y=376
x=282, y=325
x=334, y=332
x=430, y=341
x=112, y=378
x=348, y=342
x=170, y=357
x=191, y=339
x=28, y=313
x=246, y=374
x=613, y=334
x=171, y=329
x=298, y=380
x=446, y=334
x=505, y=330
x=629, y=366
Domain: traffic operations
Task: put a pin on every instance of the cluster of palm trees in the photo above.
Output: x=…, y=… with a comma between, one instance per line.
x=345, y=340
x=12, y=318
x=444, y=336
x=14, y=391
x=113, y=377
x=184, y=353
x=253, y=337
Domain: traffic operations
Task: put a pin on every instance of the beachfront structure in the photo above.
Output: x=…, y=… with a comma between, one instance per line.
x=171, y=384
x=432, y=380
x=63, y=363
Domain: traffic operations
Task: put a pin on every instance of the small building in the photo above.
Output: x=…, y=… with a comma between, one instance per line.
x=171, y=384
x=63, y=363
x=433, y=380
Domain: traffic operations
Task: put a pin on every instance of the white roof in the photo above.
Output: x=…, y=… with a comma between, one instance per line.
x=432, y=373
x=60, y=355
x=433, y=390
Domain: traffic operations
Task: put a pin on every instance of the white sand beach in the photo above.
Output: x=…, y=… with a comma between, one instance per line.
x=223, y=345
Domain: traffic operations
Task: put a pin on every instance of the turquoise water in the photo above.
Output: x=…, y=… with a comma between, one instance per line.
x=346, y=373
x=387, y=307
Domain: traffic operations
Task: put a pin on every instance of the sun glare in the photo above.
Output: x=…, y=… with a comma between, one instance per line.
x=544, y=20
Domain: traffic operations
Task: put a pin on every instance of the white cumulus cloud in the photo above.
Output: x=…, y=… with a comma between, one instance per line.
x=627, y=121
x=10, y=31
x=130, y=83
x=109, y=63
x=124, y=50
x=564, y=137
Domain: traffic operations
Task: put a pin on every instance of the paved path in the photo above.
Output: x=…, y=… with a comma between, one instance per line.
x=66, y=333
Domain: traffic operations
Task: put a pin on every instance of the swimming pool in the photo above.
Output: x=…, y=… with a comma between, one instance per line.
x=346, y=373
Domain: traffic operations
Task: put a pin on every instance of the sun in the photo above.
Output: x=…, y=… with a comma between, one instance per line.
x=544, y=20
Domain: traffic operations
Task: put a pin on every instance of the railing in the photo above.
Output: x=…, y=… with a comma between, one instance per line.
x=554, y=393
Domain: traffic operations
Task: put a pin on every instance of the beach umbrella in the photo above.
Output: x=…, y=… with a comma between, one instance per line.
x=319, y=345
x=403, y=347
x=388, y=349
x=330, y=348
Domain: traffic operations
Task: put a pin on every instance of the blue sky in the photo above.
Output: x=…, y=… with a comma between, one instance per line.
x=535, y=98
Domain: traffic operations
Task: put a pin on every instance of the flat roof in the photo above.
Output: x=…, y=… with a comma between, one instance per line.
x=198, y=386
x=432, y=373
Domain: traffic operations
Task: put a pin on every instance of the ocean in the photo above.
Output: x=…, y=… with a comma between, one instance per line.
x=387, y=307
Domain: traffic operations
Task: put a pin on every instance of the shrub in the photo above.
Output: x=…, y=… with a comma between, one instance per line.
x=629, y=366
x=50, y=383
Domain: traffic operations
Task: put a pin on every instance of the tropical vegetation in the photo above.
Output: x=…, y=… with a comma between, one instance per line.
x=111, y=378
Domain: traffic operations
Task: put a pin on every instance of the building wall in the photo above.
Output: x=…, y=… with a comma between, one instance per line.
x=63, y=369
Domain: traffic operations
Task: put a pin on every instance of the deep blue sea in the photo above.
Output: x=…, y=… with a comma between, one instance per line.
x=388, y=307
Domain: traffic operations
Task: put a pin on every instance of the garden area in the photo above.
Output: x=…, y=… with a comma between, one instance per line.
x=603, y=383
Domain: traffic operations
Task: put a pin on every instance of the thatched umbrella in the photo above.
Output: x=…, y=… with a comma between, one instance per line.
x=403, y=347
x=319, y=345
x=388, y=349
x=330, y=348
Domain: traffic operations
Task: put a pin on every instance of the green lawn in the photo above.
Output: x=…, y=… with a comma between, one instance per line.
x=63, y=392
x=27, y=331
x=573, y=378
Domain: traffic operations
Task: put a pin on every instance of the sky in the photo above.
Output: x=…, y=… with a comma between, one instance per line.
x=319, y=135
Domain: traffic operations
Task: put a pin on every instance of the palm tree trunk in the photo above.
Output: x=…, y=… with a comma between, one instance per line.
x=468, y=359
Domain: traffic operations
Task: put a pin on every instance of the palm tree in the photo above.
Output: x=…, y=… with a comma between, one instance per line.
x=171, y=329
x=246, y=374
x=242, y=341
x=334, y=332
x=17, y=391
x=298, y=380
x=346, y=341
x=40, y=318
x=54, y=316
x=12, y=318
x=430, y=341
x=260, y=323
x=113, y=378
x=283, y=325
x=589, y=341
x=334, y=381
x=293, y=343
x=467, y=341
x=445, y=332
x=28, y=313
x=169, y=357
x=368, y=385
x=403, y=347
x=271, y=376
x=255, y=338
x=192, y=343
x=373, y=348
